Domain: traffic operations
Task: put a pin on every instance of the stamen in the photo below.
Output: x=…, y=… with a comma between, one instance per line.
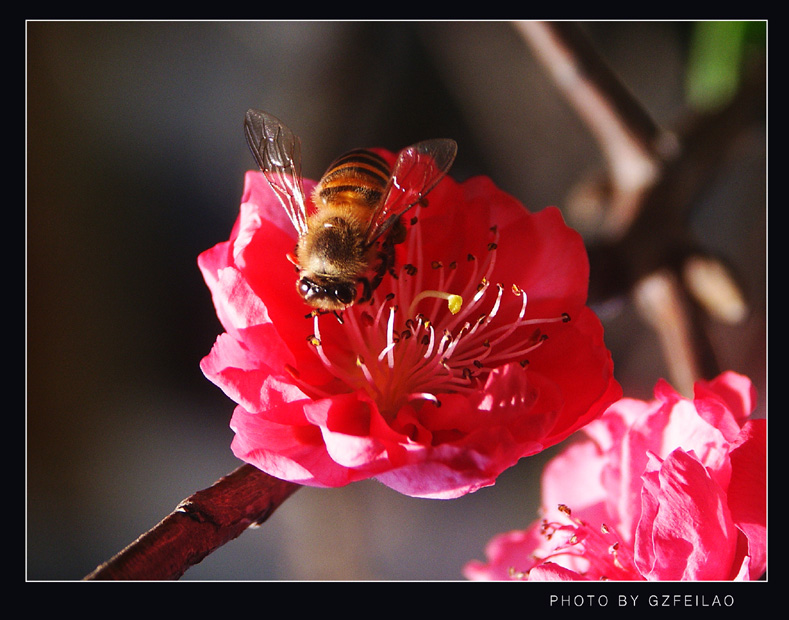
x=425, y=396
x=431, y=343
x=366, y=371
x=481, y=288
x=608, y=559
x=389, y=339
x=388, y=349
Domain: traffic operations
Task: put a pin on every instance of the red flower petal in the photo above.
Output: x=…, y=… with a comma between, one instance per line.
x=509, y=554
x=686, y=531
x=746, y=492
x=726, y=402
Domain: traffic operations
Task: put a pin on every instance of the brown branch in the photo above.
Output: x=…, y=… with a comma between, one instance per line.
x=654, y=179
x=198, y=526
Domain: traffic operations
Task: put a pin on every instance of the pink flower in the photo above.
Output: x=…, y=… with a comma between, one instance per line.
x=673, y=489
x=429, y=402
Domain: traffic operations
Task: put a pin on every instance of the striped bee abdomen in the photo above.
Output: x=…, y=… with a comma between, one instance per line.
x=359, y=176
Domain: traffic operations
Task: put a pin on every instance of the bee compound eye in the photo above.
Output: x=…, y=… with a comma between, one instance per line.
x=344, y=293
x=306, y=288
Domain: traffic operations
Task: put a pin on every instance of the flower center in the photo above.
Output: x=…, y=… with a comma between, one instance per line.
x=607, y=556
x=418, y=341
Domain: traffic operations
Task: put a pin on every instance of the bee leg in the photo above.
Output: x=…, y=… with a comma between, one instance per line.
x=386, y=258
x=398, y=233
x=367, y=290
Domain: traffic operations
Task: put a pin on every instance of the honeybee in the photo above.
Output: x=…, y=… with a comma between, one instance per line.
x=346, y=242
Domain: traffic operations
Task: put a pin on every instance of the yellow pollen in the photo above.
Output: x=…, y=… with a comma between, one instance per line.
x=455, y=302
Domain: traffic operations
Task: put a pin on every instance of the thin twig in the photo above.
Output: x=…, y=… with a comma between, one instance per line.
x=661, y=302
x=198, y=526
x=633, y=144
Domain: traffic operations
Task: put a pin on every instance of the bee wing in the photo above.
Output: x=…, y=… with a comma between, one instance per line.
x=277, y=151
x=418, y=170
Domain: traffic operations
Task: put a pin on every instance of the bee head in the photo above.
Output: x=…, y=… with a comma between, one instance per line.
x=326, y=295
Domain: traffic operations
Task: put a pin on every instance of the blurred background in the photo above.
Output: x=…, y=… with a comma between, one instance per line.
x=135, y=165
